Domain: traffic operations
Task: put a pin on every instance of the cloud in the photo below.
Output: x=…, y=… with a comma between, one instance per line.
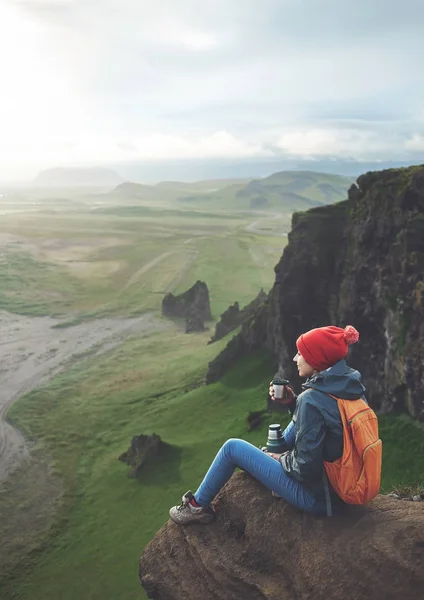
x=360, y=144
x=416, y=143
x=136, y=77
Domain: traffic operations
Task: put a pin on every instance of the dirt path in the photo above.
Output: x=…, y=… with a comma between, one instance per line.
x=32, y=352
x=136, y=276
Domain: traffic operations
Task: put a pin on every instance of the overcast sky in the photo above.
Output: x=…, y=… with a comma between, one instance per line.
x=98, y=81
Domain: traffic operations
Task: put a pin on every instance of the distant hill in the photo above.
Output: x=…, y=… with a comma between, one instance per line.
x=64, y=177
x=201, y=192
x=133, y=190
x=294, y=188
x=285, y=190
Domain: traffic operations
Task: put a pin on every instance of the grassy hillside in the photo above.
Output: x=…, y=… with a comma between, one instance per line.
x=99, y=259
x=287, y=190
x=167, y=192
x=85, y=419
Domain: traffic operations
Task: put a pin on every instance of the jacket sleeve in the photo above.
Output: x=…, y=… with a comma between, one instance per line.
x=305, y=461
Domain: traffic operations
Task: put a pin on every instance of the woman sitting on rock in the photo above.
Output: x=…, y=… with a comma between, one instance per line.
x=313, y=436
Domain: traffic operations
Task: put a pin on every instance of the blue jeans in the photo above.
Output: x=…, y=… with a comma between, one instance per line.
x=239, y=453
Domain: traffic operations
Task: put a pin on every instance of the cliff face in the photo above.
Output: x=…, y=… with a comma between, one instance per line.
x=233, y=316
x=261, y=548
x=359, y=262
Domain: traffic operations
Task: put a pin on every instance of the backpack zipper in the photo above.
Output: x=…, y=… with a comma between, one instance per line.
x=357, y=414
x=365, y=451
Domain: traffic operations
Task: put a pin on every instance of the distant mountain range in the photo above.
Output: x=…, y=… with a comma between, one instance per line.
x=199, y=170
x=205, y=170
x=288, y=190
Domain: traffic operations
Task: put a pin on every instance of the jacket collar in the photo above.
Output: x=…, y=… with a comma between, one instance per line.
x=337, y=369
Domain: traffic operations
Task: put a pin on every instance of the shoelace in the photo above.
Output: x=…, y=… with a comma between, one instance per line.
x=181, y=506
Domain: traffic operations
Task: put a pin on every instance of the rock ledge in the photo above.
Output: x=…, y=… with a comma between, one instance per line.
x=261, y=548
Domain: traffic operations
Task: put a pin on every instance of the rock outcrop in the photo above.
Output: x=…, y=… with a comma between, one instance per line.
x=359, y=262
x=141, y=449
x=233, y=316
x=261, y=548
x=194, y=323
x=194, y=303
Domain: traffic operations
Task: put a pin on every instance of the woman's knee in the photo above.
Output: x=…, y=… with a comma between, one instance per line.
x=230, y=446
x=235, y=447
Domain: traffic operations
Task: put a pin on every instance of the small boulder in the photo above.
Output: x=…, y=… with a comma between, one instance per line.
x=142, y=448
x=254, y=419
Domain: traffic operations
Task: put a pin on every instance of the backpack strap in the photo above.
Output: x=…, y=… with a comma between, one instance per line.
x=327, y=493
x=325, y=481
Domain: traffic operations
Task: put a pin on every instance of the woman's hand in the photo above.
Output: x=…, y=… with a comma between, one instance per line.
x=288, y=395
x=276, y=456
x=273, y=455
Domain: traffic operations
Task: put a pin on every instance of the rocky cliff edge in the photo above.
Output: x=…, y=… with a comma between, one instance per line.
x=261, y=548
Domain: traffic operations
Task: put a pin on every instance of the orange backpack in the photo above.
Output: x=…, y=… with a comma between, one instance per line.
x=355, y=477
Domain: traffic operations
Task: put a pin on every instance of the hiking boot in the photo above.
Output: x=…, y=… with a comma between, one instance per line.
x=186, y=513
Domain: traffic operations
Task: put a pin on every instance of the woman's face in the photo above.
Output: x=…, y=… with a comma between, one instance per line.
x=304, y=368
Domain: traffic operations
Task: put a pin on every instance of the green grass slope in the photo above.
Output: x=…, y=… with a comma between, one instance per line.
x=85, y=419
x=124, y=259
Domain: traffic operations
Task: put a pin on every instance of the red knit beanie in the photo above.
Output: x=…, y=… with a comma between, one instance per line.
x=324, y=346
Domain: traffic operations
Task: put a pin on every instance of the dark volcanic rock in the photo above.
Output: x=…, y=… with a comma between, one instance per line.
x=359, y=262
x=142, y=448
x=194, y=303
x=261, y=548
x=194, y=323
x=254, y=419
x=253, y=336
x=233, y=316
x=230, y=319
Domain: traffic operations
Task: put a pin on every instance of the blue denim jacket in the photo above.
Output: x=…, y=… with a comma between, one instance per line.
x=318, y=426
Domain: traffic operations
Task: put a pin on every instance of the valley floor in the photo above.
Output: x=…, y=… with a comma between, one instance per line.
x=34, y=349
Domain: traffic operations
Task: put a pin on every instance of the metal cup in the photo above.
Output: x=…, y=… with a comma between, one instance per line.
x=278, y=385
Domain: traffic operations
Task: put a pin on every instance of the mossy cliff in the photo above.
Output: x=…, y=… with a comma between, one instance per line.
x=359, y=262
